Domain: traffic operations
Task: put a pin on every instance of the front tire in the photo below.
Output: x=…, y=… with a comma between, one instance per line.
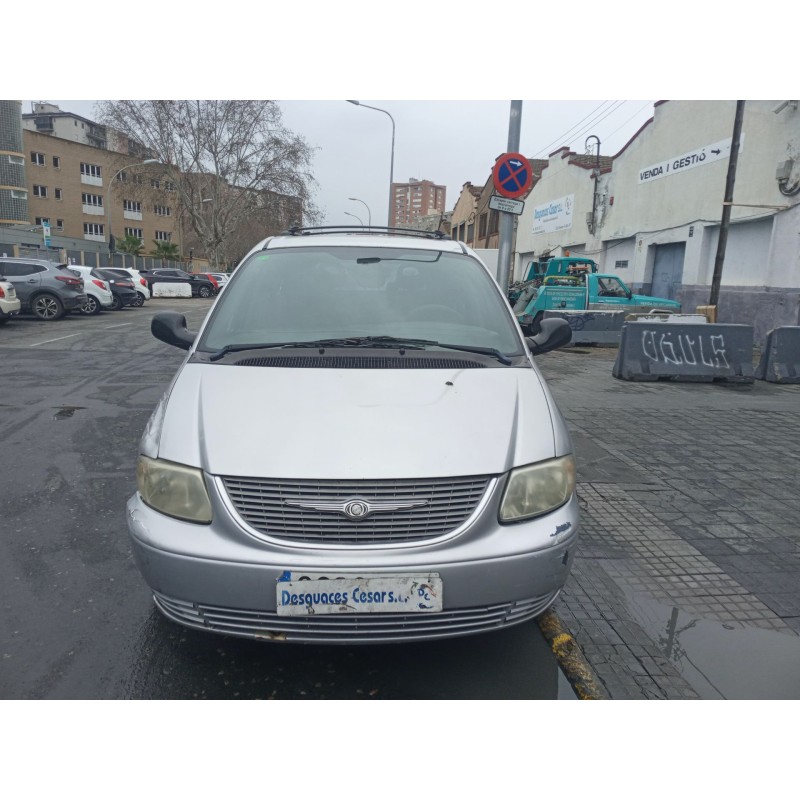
x=47, y=307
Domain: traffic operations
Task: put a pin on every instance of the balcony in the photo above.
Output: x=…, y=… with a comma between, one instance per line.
x=132, y=214
x=91, y=180
x=95, y=211
x=94, y=237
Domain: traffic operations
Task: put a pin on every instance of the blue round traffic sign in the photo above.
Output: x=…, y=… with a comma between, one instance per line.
x=512, y=175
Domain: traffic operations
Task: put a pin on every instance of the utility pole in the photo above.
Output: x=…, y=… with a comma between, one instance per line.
x=507, y=220
x=726, y=205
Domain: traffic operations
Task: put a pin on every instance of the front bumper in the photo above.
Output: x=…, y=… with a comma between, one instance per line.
x=222, y=578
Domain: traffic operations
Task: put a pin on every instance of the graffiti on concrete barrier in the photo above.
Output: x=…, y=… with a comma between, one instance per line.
x=578, y=321
x=681, y=348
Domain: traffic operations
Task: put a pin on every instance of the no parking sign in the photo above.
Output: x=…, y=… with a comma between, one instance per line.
x=512, y=175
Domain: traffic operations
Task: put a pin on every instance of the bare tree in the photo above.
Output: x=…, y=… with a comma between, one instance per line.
x=221, y=157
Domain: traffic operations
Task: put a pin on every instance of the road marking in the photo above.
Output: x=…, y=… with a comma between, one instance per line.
x=123, y=325
x=55, y=340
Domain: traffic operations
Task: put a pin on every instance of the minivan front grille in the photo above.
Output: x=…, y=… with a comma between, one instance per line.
x=434, y=507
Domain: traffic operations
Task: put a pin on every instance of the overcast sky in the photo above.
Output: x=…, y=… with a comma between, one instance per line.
x=449, y=142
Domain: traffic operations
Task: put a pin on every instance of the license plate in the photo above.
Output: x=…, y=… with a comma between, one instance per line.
x=309, y=594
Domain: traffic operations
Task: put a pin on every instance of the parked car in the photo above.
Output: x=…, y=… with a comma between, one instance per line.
x=221, y=277
x=122, y=289
x=139, y=283
x=358, y=447
x=9, y=302
x=45, y=289
x=98, y=293
x=200, y=286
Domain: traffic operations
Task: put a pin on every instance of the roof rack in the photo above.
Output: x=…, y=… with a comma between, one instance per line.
x=363, y=229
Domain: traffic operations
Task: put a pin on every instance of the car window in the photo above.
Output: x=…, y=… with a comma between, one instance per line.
x=13, y=269
x=308, y=293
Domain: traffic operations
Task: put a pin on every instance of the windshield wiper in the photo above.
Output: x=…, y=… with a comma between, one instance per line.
x=364, y=341
x=350, y=341
x=486, y=351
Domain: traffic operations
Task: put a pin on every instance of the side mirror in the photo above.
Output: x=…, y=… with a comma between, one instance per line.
x=170, y=328
x=553, y=333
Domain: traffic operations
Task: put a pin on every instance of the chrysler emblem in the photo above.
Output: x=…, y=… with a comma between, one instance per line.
x=355, y=508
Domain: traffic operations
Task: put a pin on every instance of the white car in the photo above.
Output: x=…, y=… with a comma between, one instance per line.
x=139, y=283
x=98, y=292
x=221, y=277
x=9, y=302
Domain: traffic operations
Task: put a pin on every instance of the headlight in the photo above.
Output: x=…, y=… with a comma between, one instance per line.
x=173, y=489
x=538, y=488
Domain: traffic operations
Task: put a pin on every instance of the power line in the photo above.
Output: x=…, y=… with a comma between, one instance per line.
x=597, y=121
x=546, y=150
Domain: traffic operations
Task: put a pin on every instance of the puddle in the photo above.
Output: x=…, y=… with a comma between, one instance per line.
x=65, y=412
x=720, y=660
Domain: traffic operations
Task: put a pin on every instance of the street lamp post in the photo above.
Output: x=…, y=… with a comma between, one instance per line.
x=110, y=190
x=369, y=213
x=391, y=165
x=355, y=217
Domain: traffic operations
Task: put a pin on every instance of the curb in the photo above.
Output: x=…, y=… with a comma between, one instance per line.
x=570, y=658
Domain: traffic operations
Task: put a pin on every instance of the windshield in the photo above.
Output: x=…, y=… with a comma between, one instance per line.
x=311, y=293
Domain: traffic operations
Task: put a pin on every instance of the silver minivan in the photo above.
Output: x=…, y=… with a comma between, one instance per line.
x=358, y=447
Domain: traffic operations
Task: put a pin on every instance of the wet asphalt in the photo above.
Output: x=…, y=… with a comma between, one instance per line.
x=78, y=622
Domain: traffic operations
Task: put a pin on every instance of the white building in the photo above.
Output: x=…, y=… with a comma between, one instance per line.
x=659, y=205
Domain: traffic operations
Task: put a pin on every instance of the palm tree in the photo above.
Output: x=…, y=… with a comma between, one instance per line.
x=166, y=250
x=131, y=245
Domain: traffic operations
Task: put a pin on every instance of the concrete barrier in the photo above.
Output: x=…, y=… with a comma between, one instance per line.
x=592, y=327
x=172, y=290
x=780, y=358
x=680, y=319
x=652, y=351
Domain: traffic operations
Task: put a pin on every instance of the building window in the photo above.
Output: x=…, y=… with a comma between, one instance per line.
x=163, y=236
x=137, y=232
x=91, y=170
x=39, y=191
x=17, y=161
x=494, y=218
x=620, y=265
x=19, y=194
x=122, y=177
x=57, y=193
x=482, y=220
x=169, y=186
x=42, y=221
x=163, y=211
x=59, y=224
x=91, y=199
x=154, y=183
x=93, y=229
x=56, y=162
x=131, y=205
x=38, y=158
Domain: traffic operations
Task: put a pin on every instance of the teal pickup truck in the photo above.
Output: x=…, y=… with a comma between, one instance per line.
x=583, y=292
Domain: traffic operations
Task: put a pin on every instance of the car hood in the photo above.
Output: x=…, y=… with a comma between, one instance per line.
x=355, y=424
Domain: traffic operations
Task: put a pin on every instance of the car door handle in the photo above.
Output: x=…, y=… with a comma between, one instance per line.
x=32, y=280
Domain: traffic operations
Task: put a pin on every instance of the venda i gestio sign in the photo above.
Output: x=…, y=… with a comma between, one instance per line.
x=707, y=154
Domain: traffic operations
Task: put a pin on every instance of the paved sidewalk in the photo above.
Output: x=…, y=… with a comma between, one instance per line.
x=686, y=582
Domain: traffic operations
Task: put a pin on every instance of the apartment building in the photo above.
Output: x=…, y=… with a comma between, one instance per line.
x=85, y=190
x=417, y=198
